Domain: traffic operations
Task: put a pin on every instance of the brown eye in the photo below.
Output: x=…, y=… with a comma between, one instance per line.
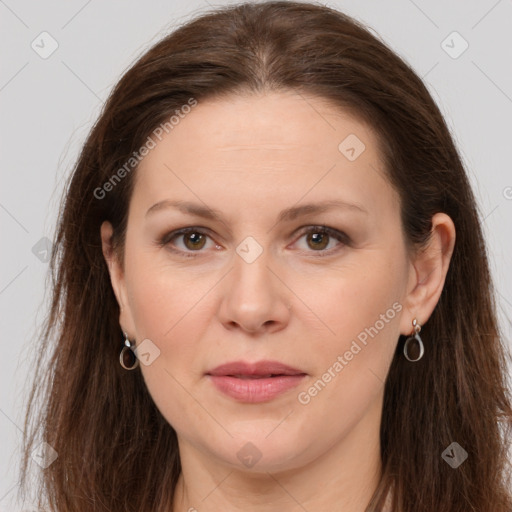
x=187, y=241
x=323, y=240
x=318, y=240
x=193, y=240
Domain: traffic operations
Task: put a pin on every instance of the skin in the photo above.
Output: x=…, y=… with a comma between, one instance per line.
x=250, y=157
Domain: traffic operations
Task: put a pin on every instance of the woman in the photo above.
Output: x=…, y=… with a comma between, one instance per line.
x=272, y=291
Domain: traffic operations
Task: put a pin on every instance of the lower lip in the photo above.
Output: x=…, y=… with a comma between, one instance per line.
x=255, y=390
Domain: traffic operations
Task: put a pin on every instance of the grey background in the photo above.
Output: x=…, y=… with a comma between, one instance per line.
x=48, y=106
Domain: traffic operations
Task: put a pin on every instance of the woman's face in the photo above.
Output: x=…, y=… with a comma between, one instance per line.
x=295, y=254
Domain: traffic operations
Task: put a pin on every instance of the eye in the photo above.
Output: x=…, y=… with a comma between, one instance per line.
x=193, y=240
x=319, y=238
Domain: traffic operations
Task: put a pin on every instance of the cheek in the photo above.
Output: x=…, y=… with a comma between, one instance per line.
x=162, y=297
x=347, y=298
x=356, y=317
x=167, y=309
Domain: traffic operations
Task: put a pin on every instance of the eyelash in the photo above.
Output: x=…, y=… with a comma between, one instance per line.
x=324, y=230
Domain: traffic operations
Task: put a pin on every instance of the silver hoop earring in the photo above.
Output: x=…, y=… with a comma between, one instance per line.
x=127, y=357
x=415, y=340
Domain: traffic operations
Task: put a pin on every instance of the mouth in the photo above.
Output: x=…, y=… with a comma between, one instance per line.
x=255, y=382
x=269, y=376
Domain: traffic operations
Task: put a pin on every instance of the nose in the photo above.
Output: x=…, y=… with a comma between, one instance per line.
x=255, y=297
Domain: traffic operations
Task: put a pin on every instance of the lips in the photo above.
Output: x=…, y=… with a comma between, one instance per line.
x=254, y=382
x=258, y=370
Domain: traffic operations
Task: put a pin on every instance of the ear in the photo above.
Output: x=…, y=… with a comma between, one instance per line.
x=117, y=279
x=429, y=267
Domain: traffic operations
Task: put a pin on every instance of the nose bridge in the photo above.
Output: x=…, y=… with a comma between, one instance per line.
x=251, y=262
x=252, y=297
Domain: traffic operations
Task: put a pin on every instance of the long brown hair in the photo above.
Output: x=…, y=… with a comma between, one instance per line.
x=115, y=450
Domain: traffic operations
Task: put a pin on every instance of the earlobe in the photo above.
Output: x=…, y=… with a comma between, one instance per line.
x=428, y=272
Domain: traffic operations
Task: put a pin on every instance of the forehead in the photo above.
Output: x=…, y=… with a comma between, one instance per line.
x=280, y=121
x=262, y=145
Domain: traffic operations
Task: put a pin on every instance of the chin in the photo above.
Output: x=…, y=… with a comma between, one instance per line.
x=262, y=454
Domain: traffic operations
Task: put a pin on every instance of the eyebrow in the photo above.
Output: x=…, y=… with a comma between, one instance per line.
x=288, y=214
